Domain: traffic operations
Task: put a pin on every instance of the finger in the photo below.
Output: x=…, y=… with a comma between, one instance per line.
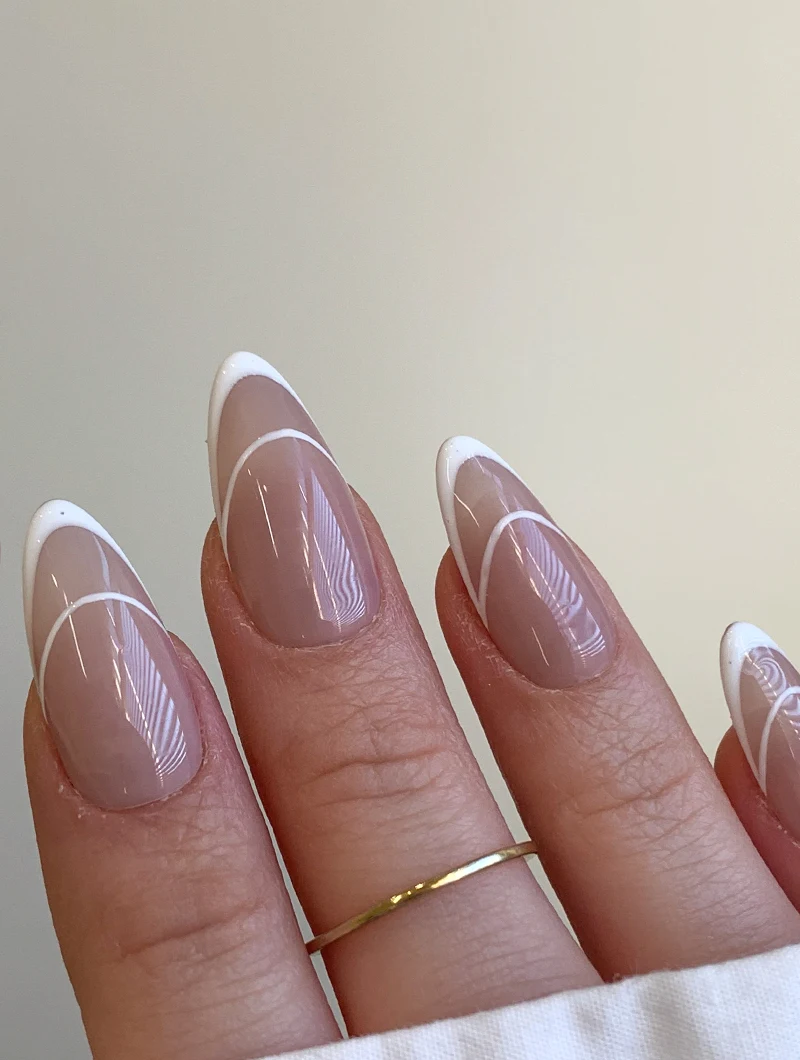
x=778, y=847
x=173, y=921
x=639, y=841
x=364, y=772
x=758, y=762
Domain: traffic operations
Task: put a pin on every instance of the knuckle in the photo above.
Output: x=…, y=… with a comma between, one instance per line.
x=213, y=930
x=647, y=783
x=185, y=909
x=382, y=753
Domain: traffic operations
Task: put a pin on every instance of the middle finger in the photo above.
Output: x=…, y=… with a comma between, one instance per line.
x=363, y=769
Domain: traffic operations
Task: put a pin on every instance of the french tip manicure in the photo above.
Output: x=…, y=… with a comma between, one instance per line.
x=524, y=577
x=526, y=580
x=459, y=448
x=453, y=453
x=236, y=367
x=739, y=636
x=53, y=514
x=452, y=447
x=738, y=640
x=49, y=517
x=288, y=523
x=112, y=689
x=762, y=690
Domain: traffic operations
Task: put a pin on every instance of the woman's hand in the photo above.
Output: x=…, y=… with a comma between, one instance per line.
x=166, y=893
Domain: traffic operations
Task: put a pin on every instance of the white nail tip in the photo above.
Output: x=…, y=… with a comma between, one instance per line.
x=233, y=369
x=738, y=641
x=46, y=520
x=453, y=454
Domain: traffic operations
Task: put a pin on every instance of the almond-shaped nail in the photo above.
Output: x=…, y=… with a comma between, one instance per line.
x=763, y=693
x=523, y=575
x=111, y=686
x=289, y=526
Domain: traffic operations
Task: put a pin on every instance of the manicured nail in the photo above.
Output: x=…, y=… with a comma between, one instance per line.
x=289, y=526
x=111, y=687
x=763, y=693
x=524, y=577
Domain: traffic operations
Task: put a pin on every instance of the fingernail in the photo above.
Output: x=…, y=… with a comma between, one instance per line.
x=763, y=693
x=289, y=526
x=111, y=687
x=524, y=577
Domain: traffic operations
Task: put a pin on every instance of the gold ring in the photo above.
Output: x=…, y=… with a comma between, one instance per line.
x=435, y=883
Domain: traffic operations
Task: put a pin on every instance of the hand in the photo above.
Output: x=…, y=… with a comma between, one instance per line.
x=166, y=894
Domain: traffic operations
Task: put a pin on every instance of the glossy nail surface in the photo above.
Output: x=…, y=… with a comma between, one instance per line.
x=763, y=693
x=289, y=526
x=112, y=689
x=524, y=577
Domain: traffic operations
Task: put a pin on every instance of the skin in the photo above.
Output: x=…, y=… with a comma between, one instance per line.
x=779, y=849
x=173, y=920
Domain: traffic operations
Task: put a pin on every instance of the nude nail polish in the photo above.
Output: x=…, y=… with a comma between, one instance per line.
x=762, y=689
x=523, y=575
x=290, y=530
x=111, y=687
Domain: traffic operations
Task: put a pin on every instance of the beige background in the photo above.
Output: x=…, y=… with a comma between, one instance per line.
x=568, y=228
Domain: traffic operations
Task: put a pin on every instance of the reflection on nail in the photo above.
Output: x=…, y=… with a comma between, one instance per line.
x=288, y=523
x=112, y=689
x=525, y=578
x=762, y=689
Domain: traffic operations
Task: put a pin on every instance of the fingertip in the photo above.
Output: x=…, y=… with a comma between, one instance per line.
x=454, y=604
x=448, y=579
x=730, y=757
x=213, y=565
x=43, y=768
x=777, y=847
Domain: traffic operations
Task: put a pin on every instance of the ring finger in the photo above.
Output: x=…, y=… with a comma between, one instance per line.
x=363, y=770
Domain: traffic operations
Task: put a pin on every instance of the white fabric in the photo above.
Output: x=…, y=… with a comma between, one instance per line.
x=747, y=1009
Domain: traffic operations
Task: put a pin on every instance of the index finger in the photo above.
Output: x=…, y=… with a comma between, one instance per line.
x=166, y=896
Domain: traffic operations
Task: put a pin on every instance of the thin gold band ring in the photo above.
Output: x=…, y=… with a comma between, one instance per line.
x=434, y=883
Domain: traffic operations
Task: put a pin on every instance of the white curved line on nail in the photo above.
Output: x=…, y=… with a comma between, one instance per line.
x=453, y=454
x=46, y=520
x=265, y=439
x=792, y=690
x=739, y=641
x=233, y=369
x=67, y=613
x=491, y=545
